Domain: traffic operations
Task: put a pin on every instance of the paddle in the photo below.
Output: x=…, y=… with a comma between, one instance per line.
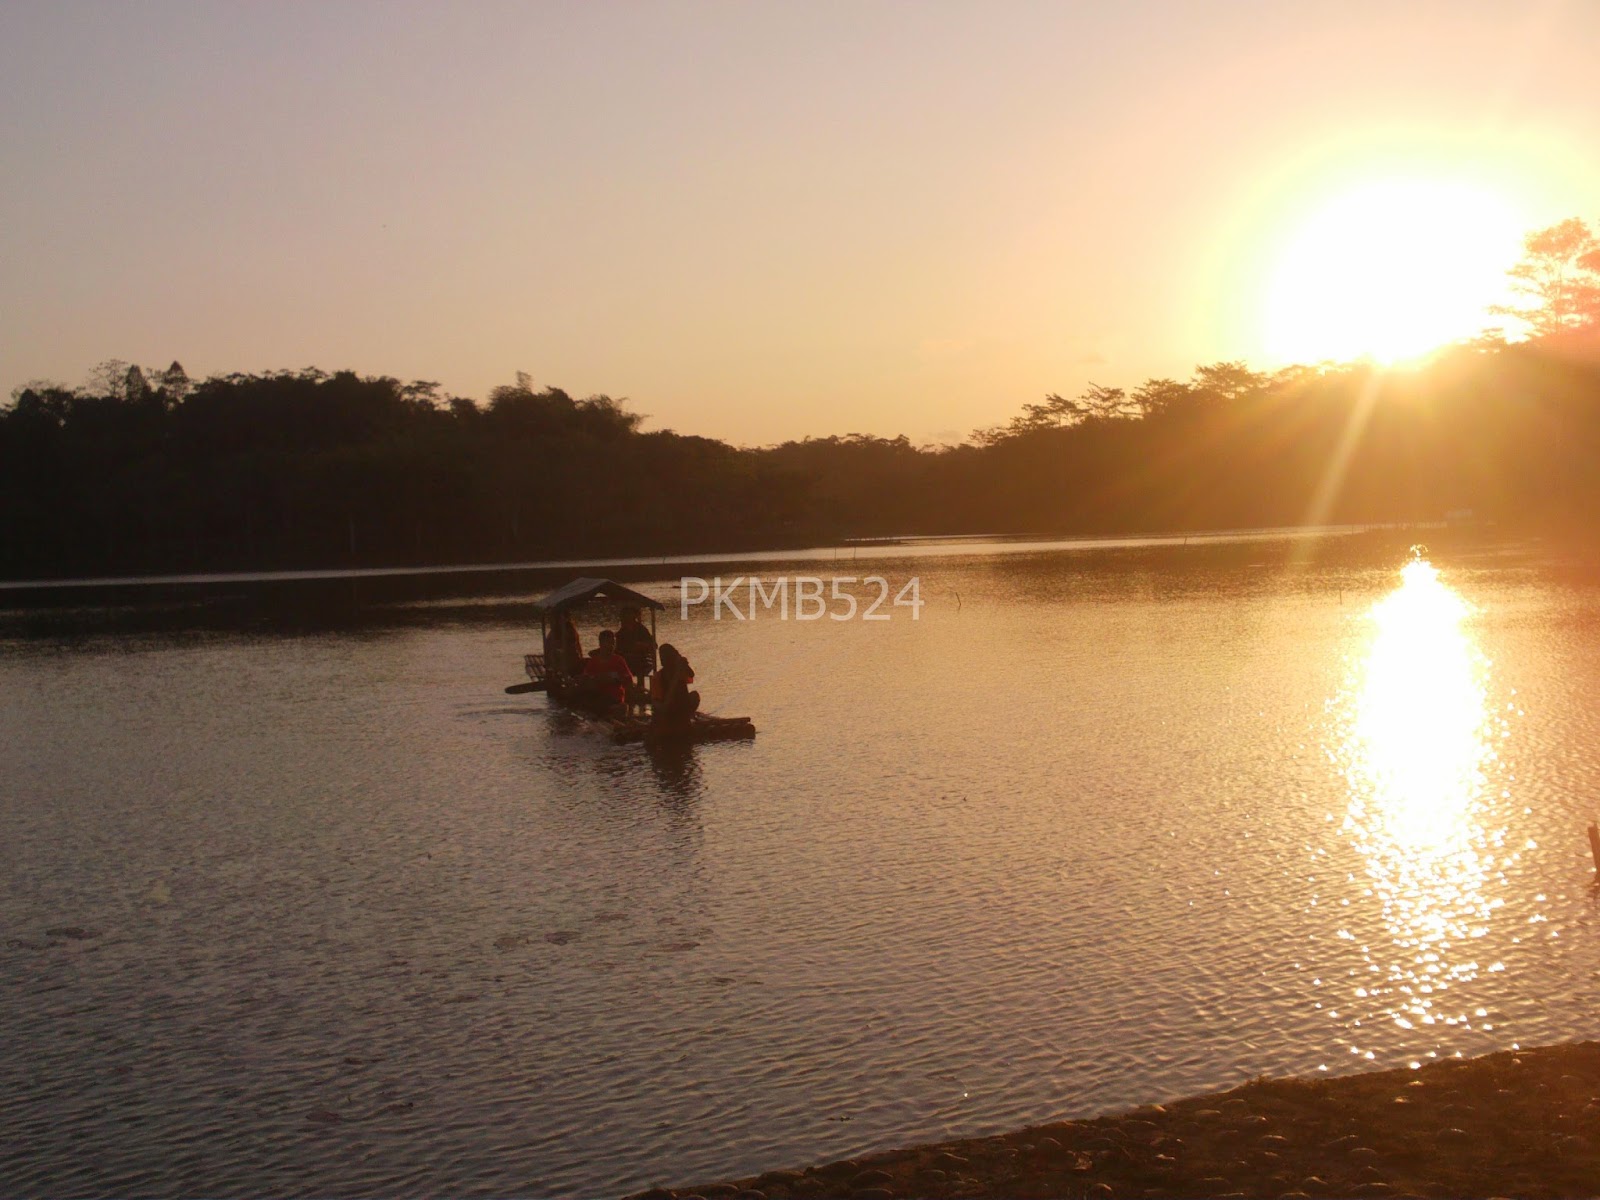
x=533, y=685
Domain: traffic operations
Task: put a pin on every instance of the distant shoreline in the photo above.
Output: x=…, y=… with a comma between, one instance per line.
x=1523, y=1122
x=303, y=601
x=910, y=546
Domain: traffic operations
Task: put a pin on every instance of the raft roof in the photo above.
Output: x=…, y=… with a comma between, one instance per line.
x=581, y=591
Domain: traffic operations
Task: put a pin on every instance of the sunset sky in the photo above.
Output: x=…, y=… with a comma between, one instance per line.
x=760, y=221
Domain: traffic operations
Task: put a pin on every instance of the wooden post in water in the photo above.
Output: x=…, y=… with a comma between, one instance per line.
x=1594, y=845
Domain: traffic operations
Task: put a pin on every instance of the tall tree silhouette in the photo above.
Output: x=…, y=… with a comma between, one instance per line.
x=1557, y=281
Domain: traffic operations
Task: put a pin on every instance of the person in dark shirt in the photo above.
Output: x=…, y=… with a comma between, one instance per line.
x=673, y=703
x=636, y=644
x=563, y=648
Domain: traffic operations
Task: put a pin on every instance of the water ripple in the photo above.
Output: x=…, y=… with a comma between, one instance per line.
x=331, y=916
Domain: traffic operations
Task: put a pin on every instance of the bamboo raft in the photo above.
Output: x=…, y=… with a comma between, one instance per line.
x=636, y=726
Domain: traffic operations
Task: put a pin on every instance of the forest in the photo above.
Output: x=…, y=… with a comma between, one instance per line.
x=146, y=470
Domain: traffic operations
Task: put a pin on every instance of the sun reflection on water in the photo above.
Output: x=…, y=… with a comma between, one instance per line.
x=1417, y=747
x=1420, y=718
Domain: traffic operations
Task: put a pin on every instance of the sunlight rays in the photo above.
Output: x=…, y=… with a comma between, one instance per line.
x=1328, y=487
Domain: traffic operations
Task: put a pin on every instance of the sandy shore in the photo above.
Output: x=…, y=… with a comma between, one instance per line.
x=1518, y=1123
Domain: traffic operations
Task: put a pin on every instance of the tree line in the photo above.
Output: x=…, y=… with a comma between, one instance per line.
x=147, y=470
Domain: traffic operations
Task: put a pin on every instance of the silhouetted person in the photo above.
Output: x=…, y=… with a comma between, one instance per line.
x=674, y=704
x=636, y=643
x=563, y=648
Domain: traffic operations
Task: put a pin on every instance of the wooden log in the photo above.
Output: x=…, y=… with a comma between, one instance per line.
x=701, y=729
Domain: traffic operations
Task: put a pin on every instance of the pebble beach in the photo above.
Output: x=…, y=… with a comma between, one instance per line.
x=1522, y=1123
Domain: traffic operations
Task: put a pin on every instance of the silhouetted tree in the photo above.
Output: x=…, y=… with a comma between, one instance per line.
x=143, y=469
x=1558, y=280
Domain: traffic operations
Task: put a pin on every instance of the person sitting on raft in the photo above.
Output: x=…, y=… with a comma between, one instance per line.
x=674, y=705
x=563, y=648
x=606, y=674
x=636, y=643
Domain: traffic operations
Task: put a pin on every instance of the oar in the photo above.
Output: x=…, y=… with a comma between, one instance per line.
x=533, y=685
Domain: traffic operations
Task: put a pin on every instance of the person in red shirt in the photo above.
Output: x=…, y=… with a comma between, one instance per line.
x=606, y=673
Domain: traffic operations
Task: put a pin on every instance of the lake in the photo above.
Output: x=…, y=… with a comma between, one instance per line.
x=328, y=912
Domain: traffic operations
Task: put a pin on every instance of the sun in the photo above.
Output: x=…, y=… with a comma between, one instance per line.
x=1390, y=270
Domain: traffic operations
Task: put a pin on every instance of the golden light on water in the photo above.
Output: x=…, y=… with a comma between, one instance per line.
x=1417, y=748
x=1420, y=716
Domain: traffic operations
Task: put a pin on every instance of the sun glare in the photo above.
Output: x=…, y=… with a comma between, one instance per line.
x=1390, y=271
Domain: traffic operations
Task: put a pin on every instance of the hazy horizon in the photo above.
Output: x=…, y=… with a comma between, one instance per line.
x=765, y=222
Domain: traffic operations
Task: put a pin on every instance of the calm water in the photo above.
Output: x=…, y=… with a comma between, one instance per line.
x=359, y=923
